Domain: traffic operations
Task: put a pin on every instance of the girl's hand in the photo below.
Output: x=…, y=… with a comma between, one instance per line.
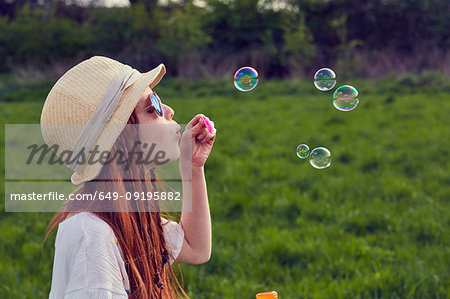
x=197, y=141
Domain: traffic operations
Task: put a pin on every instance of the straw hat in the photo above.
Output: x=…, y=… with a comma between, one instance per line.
x=75, y=96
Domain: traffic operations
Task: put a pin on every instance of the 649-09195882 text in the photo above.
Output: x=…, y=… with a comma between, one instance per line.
x=98, y=196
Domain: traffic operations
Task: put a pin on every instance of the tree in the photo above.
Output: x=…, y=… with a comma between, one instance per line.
x=298, y=47
x=150, y=5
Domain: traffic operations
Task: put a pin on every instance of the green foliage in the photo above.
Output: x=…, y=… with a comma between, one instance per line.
x=293, y=40
x=347, y=63
x=372, y=225
x=298, y=47
x=184, y=38
x=428, y=81
x=33, y=38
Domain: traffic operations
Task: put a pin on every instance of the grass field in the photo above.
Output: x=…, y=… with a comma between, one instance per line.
x=375, y=224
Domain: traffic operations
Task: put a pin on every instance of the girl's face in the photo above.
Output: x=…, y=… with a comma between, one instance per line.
x=162, y=131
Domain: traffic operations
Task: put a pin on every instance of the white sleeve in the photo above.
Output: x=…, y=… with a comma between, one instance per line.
x=174, y=236
x=86, y=263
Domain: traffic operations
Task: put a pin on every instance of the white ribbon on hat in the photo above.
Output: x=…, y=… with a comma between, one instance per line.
x=103, y=112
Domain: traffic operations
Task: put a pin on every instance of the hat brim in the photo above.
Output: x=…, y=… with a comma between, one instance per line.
x=119, y=119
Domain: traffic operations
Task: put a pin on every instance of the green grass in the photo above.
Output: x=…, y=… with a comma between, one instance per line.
x=375, y=224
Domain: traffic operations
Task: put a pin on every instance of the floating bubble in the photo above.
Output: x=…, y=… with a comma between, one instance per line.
x=345, y=98
x=320, y=158
x=246, y=78
x=324, y=79
x=303, y=151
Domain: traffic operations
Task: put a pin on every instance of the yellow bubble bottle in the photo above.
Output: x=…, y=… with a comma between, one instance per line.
x=267, y=295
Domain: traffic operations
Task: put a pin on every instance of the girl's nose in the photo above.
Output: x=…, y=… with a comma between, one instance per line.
x=169, y=112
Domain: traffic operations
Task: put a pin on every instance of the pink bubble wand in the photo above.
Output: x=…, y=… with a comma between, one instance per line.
x=209, y=124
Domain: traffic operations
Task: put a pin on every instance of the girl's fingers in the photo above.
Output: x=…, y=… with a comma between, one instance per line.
x=211, y=140
x=203, y=133
x=209, y=124
x=196, y=119
x=200, y=124
x=196, y=128
x=208, y=138
x=201, y=136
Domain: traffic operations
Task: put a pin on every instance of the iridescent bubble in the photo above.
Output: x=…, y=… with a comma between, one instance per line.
x=320, y=158
x=345, y=98
x=246, y=78
x=324, y=79
x=303, y=151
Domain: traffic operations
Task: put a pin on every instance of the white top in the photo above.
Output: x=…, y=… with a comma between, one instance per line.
x=88, y=262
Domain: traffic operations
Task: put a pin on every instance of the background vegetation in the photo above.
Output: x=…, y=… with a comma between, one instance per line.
x=375, y=224
x=280, y=38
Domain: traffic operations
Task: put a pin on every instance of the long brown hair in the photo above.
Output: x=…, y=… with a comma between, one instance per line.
x=139, y=231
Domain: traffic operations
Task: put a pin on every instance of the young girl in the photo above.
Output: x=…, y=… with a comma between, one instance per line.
x=123, y=248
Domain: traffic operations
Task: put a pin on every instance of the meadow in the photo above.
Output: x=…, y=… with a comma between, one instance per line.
x=375, y=224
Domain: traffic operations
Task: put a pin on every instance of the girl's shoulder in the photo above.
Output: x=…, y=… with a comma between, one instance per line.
x=85, y=221
x=83, y=225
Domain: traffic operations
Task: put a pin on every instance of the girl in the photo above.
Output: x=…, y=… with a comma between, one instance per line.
x=123, y=248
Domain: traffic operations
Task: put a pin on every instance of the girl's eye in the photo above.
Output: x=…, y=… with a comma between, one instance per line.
x=151, y=109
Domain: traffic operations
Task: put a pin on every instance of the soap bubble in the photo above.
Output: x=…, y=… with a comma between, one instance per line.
x=345, y=98
x=324, y=79
x=246, y=78
x=302, y=151
x=320, y=158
